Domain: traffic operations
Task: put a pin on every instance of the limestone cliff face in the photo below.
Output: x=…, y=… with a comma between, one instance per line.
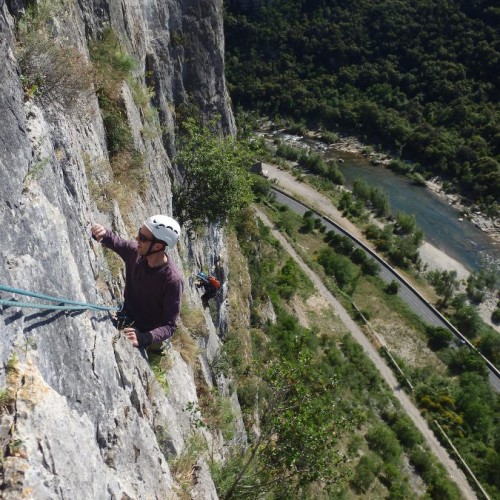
x=87, y=418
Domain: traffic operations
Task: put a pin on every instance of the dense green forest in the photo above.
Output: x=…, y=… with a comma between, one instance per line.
x=419, y=79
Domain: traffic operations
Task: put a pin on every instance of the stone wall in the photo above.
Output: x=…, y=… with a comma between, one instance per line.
x=88, y=418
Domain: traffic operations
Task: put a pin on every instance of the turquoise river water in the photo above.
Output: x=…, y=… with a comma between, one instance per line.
x=461, y=240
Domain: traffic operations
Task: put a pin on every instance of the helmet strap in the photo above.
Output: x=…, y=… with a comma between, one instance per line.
x=151, y=252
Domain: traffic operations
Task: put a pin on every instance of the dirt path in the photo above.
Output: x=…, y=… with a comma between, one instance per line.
x=453, y=471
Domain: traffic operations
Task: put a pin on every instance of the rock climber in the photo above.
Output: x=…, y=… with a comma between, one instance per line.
x=211, y=286
x=153, y=284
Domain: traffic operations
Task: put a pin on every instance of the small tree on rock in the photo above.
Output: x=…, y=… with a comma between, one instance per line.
x=215, y=183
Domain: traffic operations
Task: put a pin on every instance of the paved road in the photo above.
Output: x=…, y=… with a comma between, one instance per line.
x=453, y=471
x=341, y=225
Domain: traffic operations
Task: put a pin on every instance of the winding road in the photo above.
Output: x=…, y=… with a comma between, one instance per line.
x=453, y=471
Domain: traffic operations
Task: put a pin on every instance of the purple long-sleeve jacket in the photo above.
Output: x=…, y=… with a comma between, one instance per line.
x=152, y=295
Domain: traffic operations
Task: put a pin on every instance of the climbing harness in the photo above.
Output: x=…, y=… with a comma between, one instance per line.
x=64, y=305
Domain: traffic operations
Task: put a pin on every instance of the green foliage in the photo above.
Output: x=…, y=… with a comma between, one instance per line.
x=370, y=267
x=308, y=225
x=217, y=413
x=399, y=166
x=286, y=151
x=406, y=432
x=439, y=337
x=403, y=250
x=478, y=283
x=371, y=197
x=113, y=66
x=182, y=465
x=417, y=179
x=476, y=402
x=296, y=446
x=405, y=223
x=314, y=162
x=467, y=360
x=418, y=79
x=6, y=400
x=51, y=71
x=372, y=231
x=159, y=367
x=288, y=221
x=468, y=321
x=361, y=394
x=445, y=283
x=489, y=345
x=384, y=442
x=215, y=182
x=439, y=486
x=366, y=472
x=345, y=272
x=392, y=288
x=261, y=187
x=291, y=279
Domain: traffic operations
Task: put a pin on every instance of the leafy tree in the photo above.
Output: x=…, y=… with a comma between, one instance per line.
x=475, y=401
x=358, y=256
x=261, y=187
x=445, y=283
x=439, y=337
x=288, y=221
x=392, y=288
x=361, y=190
x=366, y=472
x=344, y=271
x=495, y=316
x=467, y=360
x=288, y=279
x=403, y=251
x=345, y=201
x=406, y=432
x=468, y=321
x=380, y=202
x=297, y=443
x=370, y=267
x=383, y=441
x=307, y=225
x=405, y=223
x=372, y=231
x=215, y=184
x=489, y=345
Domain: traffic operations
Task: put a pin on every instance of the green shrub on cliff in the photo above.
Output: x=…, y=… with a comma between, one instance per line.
x=215, y=181
x=113, y=66
x=52, y=71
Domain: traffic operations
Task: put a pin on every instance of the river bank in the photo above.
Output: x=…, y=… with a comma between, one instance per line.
x=431, y=256
x=481, y=221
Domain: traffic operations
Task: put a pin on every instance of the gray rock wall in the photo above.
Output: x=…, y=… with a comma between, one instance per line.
x=89, y=419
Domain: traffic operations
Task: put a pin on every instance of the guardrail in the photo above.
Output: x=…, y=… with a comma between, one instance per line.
x=367, y=249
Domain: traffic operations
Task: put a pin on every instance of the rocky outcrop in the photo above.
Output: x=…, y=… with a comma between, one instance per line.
x=85, y=416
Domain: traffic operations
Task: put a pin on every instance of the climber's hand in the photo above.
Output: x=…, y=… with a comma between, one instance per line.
x=98, y=232
x=132, y=336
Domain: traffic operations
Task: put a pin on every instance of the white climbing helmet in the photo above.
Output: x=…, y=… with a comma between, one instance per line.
x=164, y=228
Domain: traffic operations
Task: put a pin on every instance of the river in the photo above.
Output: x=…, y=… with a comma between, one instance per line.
x=461, y=240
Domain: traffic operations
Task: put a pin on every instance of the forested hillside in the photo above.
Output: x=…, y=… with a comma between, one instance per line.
x=417, y=78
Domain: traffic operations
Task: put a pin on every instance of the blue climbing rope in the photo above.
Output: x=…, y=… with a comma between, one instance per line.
x=64, y=305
